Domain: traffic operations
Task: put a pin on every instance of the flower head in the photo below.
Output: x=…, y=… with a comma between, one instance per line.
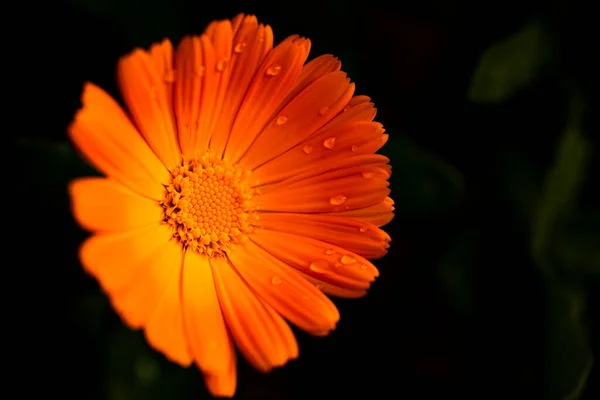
x=241, y=187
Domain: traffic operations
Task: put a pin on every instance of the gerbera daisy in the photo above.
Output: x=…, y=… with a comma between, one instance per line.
x=240, y=189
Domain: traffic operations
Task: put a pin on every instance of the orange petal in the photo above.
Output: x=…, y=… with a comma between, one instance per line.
x=208, y=337
x=222, y=385
x=312, y=71
x=304, y=115
x=165, y=331
x=195, y=83
x=147, y=98
x=271, y=84
x=324, y=261
x=104, y=205
x=162, y=57
x=336, y=190
x=283, y=289
x=359, y=237
x=262, y=336
x=139, y=270
x=333, y=290
x=356, y=110
x=378, y=214
x=212, y=112
x=105, y=135
x=251, y=43
x=327, y=147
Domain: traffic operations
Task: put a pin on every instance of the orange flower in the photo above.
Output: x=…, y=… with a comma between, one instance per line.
x=243, y=188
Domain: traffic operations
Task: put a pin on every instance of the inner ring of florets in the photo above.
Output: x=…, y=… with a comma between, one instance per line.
x=208, y=205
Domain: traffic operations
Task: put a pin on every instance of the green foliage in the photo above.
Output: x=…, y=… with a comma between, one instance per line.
x=562, y=184
x=569, y=357
x=510, y=65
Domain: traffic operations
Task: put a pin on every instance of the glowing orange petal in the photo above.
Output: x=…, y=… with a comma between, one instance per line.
x=120, y=261
x=333, y=191
x=283, y=289
x=162, y=57
x=251, y=43
x=354, y=235
x=355, y=111
x=325, y=148
x=104, y=205
x=209, y=340
x=195, y=83
x=165, y=331
x=224, y=384
x=270, y=85
x=333, y=290
x=105, y=135
x=260, y=333
x=378, y=214
x=312, y=71
x=321, y=260
x=304, y=115
x=147, y=98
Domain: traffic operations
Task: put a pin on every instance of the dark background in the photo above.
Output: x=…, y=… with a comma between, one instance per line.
x=491, y=287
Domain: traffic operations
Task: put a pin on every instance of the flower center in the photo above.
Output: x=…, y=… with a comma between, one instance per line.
x=208, y=205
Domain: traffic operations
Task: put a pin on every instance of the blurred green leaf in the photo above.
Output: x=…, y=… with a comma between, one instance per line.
x=421, y=183
x=562, y=184
x=569, y=354
x=510, y=65
x=575, y=245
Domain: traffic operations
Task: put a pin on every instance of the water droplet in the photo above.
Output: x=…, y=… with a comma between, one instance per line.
x=323, y=110
x=276, y=280
x=169, y=76
x=281, y=120
x=307, y=149
x=363, y=266
x=337, y=200
x=319, y=266
x=368, y=175
x=345, y=109
x=347, y=260
x=273, y=70
x=329, y=143
x=362, y=229
x=337, y=264
x=199, y=70
x=329, y=252
x=355, y=148
x=221, y=65
x=319, y=286
x=239, y=47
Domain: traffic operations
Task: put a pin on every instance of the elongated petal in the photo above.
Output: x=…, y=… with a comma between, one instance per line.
x=140, y=271
x=104, y=205
x=359, y=237
x=283, y=289
x=148, y=99
x=334, y=191
x=251, y=43
x=260, y=333
x=270, y=85
x=300, y=118
x=321, y=260
x=107, y=138
x=209, y=340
